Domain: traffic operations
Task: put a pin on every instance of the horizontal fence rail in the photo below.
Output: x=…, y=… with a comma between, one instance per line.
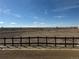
x=41, y=41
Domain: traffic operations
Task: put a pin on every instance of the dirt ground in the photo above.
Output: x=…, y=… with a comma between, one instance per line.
x=34, y=53
x=40, y=54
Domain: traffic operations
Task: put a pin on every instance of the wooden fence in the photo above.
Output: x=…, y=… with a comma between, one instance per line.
x=39, y=41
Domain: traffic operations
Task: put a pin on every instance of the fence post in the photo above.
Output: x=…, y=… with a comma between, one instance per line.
x=29, y=41
x=20, y=41
x=65, y=42
x=12, y=41
x=73, y=42
x=55, y=41
x=37, y=41
x=46, y=41
x=4, y=41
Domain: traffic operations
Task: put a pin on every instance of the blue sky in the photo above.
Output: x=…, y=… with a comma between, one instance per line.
x=39, y=13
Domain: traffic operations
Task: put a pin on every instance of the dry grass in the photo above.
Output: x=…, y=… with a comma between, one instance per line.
x=9, y=32
x=39, y=53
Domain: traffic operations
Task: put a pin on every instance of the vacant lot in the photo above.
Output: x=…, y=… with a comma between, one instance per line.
x=39, y=54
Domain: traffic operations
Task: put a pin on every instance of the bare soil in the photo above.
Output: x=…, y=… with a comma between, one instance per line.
x=39, y=54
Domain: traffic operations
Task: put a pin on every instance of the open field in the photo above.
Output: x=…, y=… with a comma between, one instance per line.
x=24, y=52
x=40, y=54
x=34, y=33
x=41, y=32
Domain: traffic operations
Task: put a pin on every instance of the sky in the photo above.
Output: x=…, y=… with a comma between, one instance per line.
x=39, y=13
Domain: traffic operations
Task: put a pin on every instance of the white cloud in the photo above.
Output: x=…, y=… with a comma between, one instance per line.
x=58, y=16
x=0, y=10
x=35, y=17
x=66, y=8
x=1, y=22
x=45, y=12
x=17, y=15
x=12, y=23
x=9, y=12
x=70, y=7
x=35, y=22
x=40, y=24
x=71, y=2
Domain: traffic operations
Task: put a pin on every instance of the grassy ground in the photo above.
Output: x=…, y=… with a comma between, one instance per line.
x=40, y=54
